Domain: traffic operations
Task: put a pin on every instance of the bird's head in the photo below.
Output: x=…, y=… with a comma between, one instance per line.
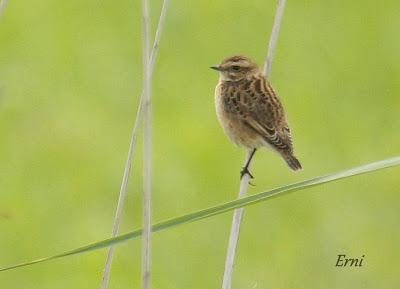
x=236, y=68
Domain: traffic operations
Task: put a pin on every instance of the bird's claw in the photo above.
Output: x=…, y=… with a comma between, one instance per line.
x=244, y=171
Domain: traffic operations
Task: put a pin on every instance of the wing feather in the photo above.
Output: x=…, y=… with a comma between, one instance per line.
x=264, y=114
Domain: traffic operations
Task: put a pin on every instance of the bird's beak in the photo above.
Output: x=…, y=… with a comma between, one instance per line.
x=217, y=68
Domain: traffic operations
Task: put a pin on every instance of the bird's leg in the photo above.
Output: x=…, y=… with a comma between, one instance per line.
x=245, y=169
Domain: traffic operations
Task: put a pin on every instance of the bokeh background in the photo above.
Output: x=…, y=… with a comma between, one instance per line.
x=70, y=78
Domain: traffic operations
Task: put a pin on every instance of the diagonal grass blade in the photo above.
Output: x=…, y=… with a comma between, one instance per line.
x=222, y=208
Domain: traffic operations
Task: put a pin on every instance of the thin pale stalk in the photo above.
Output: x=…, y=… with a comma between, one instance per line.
x=147, y=151
x=2, y=6
x=122, y=196
x=130, y=158
x=235, y=230
x=274, y=37
x=238, y=213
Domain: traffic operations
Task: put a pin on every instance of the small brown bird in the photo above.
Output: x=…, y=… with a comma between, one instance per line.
x=250, y=112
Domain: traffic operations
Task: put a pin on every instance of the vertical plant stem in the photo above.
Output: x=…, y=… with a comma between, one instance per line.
x=244, y=183
x=3, y=4
x=235, y=230
x=129, y=161
x=121, y=198
x=274, y=37
x=147, y=150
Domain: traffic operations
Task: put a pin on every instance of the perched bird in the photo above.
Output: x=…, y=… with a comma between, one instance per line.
x=250, y=112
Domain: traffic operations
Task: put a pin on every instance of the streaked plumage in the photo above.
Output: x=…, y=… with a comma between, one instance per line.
x=249, y=110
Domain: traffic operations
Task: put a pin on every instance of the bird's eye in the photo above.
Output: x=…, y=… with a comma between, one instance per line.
x=236, y=67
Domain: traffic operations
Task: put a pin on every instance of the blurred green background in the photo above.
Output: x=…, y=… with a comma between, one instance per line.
x=70, y=78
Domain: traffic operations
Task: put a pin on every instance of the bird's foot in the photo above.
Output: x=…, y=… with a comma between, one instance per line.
x=244, y=171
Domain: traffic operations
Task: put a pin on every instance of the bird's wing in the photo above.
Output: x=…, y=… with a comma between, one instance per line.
x=263, y=112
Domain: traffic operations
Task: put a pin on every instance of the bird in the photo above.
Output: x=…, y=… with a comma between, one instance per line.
x=250, y=112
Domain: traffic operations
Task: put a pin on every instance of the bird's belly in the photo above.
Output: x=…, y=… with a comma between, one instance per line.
x=235, y=129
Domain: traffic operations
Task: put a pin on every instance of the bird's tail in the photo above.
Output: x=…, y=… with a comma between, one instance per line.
x=292, y=162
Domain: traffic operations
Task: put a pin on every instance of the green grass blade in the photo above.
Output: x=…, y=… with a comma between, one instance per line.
x=222, y=208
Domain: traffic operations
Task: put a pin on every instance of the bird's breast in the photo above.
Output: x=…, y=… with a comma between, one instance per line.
x=232, y=123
